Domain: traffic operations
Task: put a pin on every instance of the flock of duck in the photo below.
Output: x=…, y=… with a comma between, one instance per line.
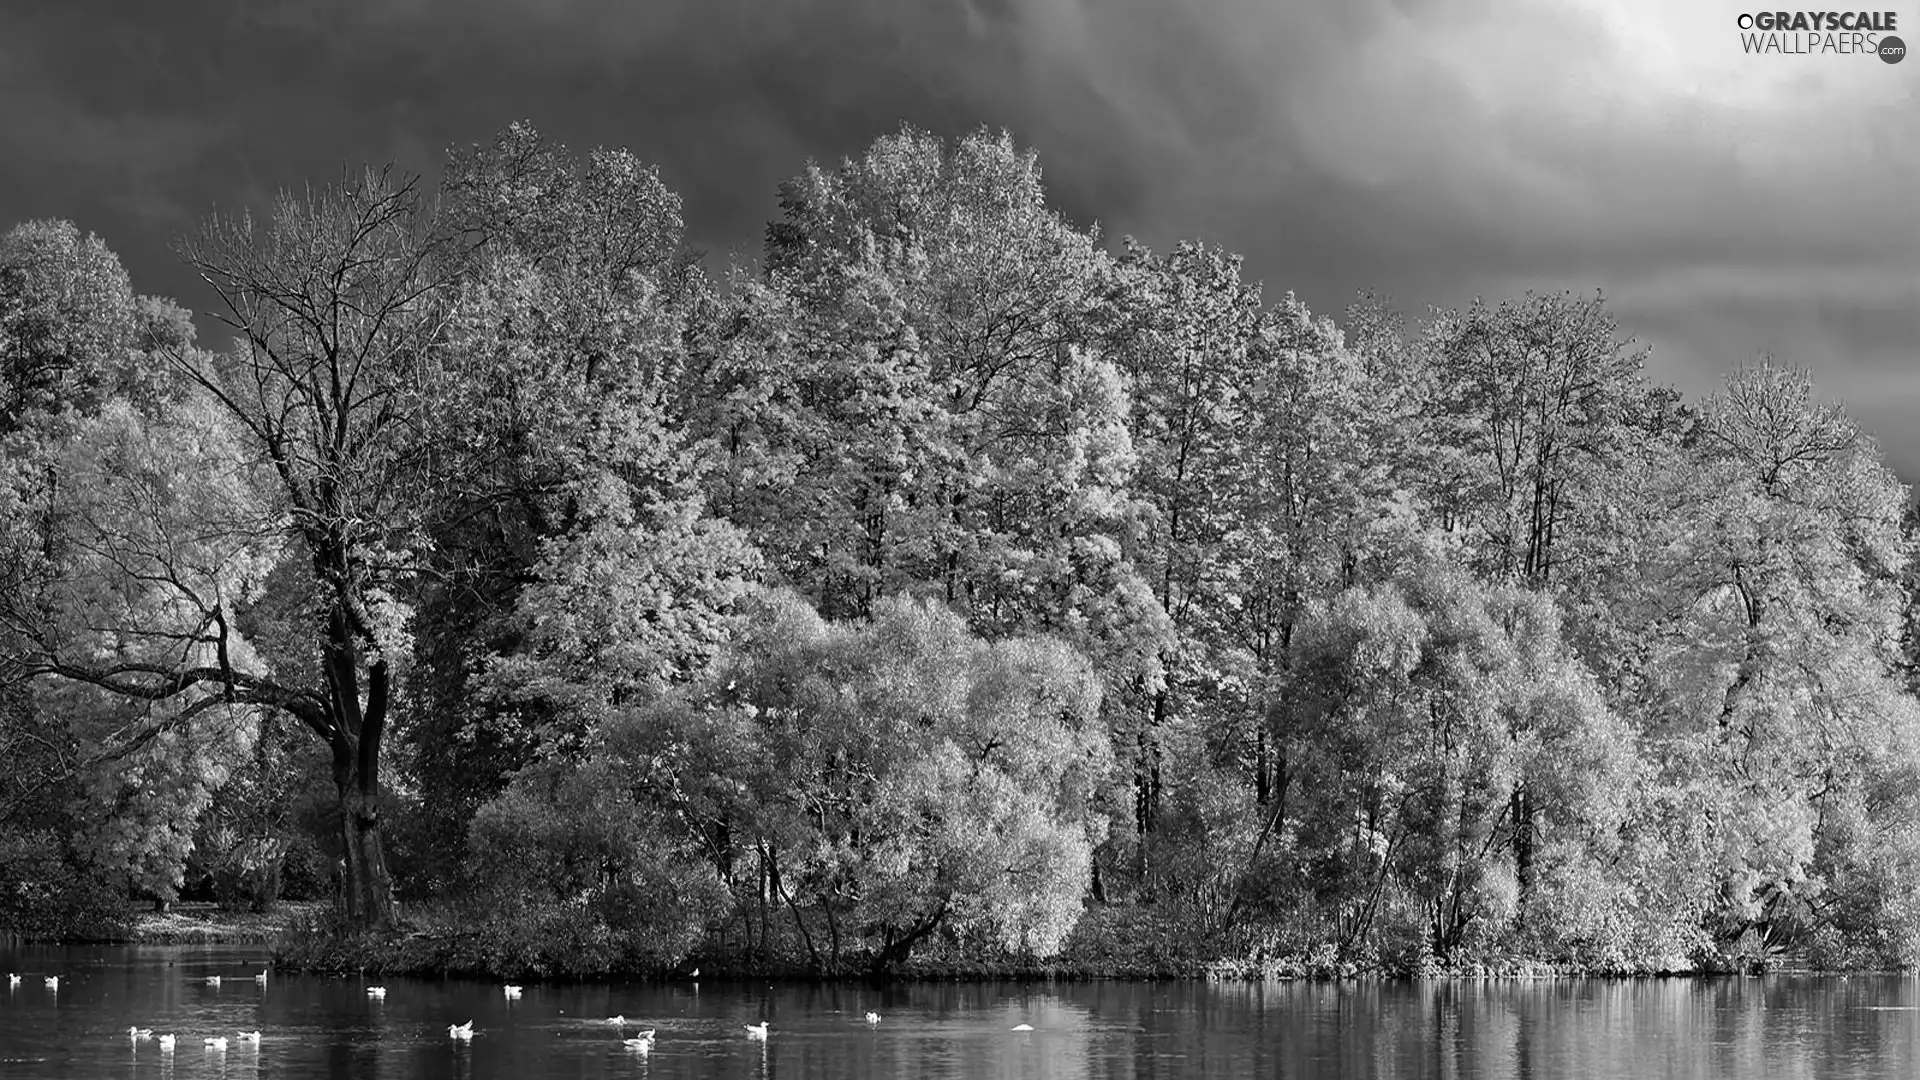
x=136, y=1033
x=642, y=1043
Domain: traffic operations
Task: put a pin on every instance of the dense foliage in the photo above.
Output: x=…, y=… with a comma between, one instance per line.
x=944, y=573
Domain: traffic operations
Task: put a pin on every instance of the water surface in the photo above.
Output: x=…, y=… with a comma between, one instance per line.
x=315, y=1027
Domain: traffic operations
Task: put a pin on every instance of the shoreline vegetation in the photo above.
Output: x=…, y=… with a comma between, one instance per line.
x=950, y=591
x=1107, y=943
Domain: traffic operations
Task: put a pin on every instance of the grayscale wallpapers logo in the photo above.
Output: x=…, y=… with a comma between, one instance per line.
x=1808, y=33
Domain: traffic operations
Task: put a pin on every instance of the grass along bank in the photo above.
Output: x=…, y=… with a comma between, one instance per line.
x=208, y=924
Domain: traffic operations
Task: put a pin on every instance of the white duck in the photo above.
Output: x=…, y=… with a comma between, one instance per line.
x=12, y=979
x=377, y=992
x=251, y=1037
x=1022, y=1027
x=166, y=1042
x=139, y=1033
x=216, y=1042
x=53, y=982
x=757, y=1031
x=873, y=1017
x=213, y=980
x=512, y=992
x=460, y=1031
x=640, y=1046
x=261, y=978
x=617, y=1021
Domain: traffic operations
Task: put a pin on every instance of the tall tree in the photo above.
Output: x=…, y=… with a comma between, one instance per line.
x=1425, y=703
x=578, y=567
x=1538, y=399
x=917, y=394
x=1788, y=658
x=1184, y=325
x=329, y=413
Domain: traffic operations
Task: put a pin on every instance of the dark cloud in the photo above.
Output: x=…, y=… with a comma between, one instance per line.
x=1436, y=149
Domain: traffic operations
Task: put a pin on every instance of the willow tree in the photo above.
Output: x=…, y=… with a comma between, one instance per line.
x=262, y=555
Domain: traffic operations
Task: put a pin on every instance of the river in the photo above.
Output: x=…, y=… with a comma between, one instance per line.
x=312, y=1027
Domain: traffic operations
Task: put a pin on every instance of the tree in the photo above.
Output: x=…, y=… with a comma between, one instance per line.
x=1785, y=666
x=578, y=568
x=918, y=394
x=301, y=474
x=894, y=778
x=79, y=367
x=1538, y=399
x=1425, y=703
x=1184, y=327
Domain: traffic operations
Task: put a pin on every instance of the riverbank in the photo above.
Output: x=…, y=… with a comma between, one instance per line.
x=1117, y=942
x=1109, y=943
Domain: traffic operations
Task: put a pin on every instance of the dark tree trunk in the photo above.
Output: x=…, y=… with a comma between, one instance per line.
x=897, y=950
x=354, y=738
x=1522, y=810
x=1262, y=779
x=369, y=886
x=1146, y=784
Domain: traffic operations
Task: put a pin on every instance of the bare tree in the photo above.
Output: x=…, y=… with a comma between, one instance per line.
x=335, y=402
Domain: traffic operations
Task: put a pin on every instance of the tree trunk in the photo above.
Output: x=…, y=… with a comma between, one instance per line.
x=833, y=933
x=780, y=890
x=369, y=886
x=1522, y=811
x=354, y=734
x=897, y=950
x=1262, y=789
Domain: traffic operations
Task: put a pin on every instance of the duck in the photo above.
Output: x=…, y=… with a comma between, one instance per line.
x=166, y=1042
x=460, y=1031
x=376, y=991
x=137, y=1032
x=261, y=978
x=1022, y=1027
x=213, y=980
x=873, y=1017
x=12, y=979
x=250, y=1036
x=641, y=1046
x=757, y=1031
x=512, y=992
x=53, y=982
x=646, y=1036
x=617, y=1021
x=216, y=1042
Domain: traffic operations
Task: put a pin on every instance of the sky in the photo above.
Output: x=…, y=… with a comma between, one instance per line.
x=1727, y=204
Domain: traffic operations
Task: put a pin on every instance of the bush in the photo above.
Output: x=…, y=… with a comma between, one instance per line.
x=48, y=894
x=579, y=877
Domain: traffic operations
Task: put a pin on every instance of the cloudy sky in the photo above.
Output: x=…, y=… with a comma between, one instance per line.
x=1728, y=204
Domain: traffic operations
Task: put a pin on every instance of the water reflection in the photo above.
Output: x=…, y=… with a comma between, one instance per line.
x=319, y=1027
